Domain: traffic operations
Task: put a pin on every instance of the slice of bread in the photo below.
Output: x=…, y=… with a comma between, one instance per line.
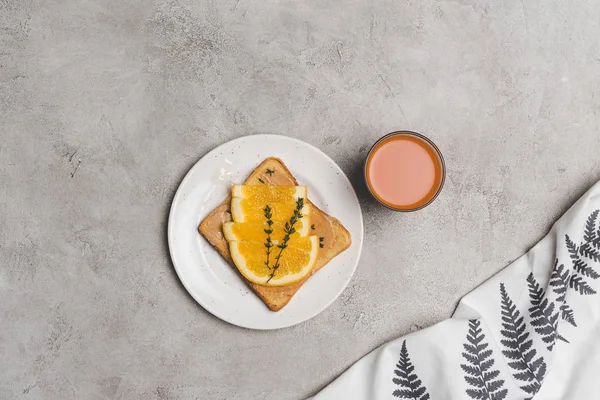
x=336, y=238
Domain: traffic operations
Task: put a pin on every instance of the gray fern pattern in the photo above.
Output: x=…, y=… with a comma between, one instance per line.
x=559, y=281
x=543, y=317
x=527, y=368
x=478, y=367
x=588, y=249
x=577, y=277
x=591, y=246
x=410, y=385
x=545, y=313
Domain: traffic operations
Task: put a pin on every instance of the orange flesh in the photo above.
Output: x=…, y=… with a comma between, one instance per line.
x=404, y=171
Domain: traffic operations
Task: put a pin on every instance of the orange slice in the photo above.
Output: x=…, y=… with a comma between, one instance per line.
x=273, y=194
x=284, y=266
x=255, y=231
x=253, y=210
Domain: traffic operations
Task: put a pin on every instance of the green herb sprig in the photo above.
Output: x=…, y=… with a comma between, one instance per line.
x=268, y=231
x=288, y=230
x=270, y=171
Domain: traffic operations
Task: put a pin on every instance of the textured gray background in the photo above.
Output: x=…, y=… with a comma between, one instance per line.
x=105, y=104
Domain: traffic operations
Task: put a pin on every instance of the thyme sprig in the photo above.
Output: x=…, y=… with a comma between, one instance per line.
x=268, y=231
x=270, y=171
x=289, y=230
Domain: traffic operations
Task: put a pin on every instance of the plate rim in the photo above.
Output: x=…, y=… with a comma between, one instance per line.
x=170, y=233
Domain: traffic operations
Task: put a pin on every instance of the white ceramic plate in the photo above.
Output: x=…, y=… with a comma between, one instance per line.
x=213, y=282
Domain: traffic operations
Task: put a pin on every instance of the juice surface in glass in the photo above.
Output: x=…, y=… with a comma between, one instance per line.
x=404, y=171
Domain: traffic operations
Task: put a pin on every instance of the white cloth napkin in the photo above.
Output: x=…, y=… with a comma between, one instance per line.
x=531, y=331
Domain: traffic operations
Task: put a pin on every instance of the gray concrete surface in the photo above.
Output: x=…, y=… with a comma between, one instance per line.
x=105, y=104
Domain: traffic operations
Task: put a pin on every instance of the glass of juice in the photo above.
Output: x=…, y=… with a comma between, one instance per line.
x=405, y=171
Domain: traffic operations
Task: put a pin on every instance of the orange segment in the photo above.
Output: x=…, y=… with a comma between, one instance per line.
x=252, y=210
x=285, y=266
x=268, y=194
x=256, y=230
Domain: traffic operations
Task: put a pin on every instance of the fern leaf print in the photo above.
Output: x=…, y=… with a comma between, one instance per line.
x=528, y=369
x=589, y=249
x=543, y=317
x=559, y=281
x=411, y=387
x=580, y=285
x=596, y=240
x=591, y=246
x=590, y=233
x=478, y=367
x=579, y=264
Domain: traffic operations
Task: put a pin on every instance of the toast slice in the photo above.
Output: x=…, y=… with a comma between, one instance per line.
x=336, y=238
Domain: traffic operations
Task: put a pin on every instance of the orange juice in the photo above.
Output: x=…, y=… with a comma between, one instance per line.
x=404, y=171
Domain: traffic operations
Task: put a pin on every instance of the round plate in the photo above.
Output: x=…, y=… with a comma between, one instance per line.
x=210, y=279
